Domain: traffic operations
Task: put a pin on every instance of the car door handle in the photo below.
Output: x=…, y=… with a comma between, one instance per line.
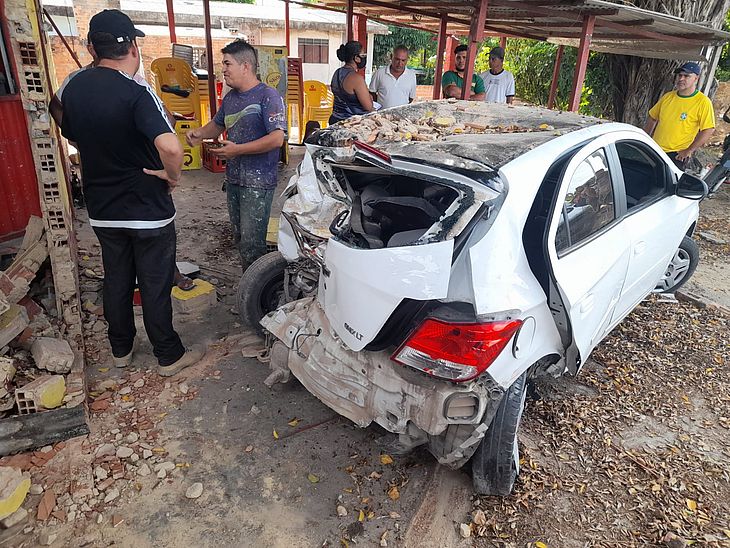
x=639, y=248
x=586, y=305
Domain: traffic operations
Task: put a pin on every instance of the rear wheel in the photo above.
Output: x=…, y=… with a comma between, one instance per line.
x=261, y=289
x=681, y=267
x=495, y=463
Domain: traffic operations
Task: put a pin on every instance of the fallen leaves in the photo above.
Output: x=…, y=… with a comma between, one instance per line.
x=386, y=459
x=293, y=422
x=393, y=493
x=276, y=434
x=312, y=478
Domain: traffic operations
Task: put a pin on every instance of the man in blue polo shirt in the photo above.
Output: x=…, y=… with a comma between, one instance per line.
x=253, y=116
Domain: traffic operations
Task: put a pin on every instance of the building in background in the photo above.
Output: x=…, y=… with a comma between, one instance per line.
x=315, y=34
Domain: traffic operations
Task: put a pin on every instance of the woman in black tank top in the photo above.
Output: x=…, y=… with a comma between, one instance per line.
x=351, y=93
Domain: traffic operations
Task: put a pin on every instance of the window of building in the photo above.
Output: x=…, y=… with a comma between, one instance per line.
x=314, y=50
x=7, y=84
x=589, y=203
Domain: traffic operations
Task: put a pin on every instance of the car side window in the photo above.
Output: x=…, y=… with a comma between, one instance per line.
x=589, y=203
x=644, y=173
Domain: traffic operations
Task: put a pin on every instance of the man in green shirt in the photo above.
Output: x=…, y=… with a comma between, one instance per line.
x=453, y=80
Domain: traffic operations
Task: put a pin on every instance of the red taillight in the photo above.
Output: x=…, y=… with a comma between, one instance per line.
x=455, y=351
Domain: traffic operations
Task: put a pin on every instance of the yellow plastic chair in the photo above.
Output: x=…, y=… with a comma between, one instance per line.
x=176, y=73
x=318, y=103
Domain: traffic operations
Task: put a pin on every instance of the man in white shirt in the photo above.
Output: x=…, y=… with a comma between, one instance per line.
x=499, y=83
x=395, y=84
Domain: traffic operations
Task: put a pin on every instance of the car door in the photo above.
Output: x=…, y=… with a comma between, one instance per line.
x=656, y=220
x=588, y=251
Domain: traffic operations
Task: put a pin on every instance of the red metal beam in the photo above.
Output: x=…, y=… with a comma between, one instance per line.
x=171, y=22
x=63, y=39
x=581, y=62
x=286, y=28
x=503, y=42
x=360, y=25
x=350, y=14
x=209, y=55
x=451, y=43
x=556, y=76
x=440, y=58
x=476, y=33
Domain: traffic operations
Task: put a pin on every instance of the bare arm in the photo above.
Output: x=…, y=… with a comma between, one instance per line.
x=211, y=130
x=701, y=140
x=171, y=153
x=477, y=96
x=56, y=110
x=266, y=143
x=650, y=125
x=363, y=93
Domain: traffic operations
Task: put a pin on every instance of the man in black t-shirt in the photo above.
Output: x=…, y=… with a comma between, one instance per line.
x=132, y=160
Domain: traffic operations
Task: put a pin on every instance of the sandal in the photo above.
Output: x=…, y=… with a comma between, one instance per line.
x=183, y=282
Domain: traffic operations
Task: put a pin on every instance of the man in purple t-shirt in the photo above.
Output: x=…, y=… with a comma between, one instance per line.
x=253, y=115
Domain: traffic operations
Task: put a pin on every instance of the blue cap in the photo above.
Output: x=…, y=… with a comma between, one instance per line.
x=690, y=68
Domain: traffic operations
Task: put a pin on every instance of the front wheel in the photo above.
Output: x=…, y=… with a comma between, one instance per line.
x=261, y=289
x=681, y=267
x=495, y=464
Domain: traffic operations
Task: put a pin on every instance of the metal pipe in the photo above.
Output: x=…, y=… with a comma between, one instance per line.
x=171, y=22
x=440, y=58
x=209, y=55
x=556, y=76
x=65, y=43
x=581, y=62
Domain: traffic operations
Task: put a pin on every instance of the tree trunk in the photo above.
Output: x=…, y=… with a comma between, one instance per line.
x=637, y=82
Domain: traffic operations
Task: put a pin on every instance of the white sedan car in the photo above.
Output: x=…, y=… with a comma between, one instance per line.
x=468, y=247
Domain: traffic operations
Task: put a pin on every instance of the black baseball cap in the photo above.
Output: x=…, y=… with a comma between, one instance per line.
x=497, y=52
x=113, y=22
x=689, y=67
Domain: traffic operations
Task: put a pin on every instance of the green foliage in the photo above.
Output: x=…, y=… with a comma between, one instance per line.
x=421, y=45
x=532, y=63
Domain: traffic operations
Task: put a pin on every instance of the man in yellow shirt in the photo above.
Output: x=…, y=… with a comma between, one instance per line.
x=683, y=120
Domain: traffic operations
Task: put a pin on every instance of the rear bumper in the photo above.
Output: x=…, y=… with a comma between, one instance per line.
x=367, y=386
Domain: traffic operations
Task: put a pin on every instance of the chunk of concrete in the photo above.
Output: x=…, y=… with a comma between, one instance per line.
x=54, y=355
x=14, y=486
x=43, y=393
x=12, y=323
x=198, y=300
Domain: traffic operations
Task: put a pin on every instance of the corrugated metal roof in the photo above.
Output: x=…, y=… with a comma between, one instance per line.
x=619, y=28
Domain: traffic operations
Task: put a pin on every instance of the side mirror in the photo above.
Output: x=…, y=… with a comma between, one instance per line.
x=691, y=187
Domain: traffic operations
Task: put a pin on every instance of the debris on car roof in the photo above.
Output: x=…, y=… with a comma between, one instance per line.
x=457, y=128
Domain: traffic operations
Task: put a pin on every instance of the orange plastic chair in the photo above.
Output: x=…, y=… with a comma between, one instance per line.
x=318, y=103
x=176, y=73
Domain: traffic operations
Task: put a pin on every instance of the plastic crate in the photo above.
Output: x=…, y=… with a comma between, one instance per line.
x=211, y=162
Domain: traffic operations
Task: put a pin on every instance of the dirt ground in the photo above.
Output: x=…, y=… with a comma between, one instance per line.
x=632, y=452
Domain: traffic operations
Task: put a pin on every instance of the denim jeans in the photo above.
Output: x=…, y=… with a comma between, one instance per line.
x=249, y=210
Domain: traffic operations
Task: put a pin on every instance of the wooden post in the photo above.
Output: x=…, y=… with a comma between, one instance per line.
x=556, y=77
x=440, y=58
x=171, y=22
x=451, y=43
x=476, y=33
x=503, y=42
x=286, y=28
x=581, y=61
x=209, y=55
x=360, y=30
x=350, y=15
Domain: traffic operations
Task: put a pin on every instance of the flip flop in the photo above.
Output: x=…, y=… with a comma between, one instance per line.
x=184, y=283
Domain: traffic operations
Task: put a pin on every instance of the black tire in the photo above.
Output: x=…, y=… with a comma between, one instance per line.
x=495, y=463
x=715, y=178
x=261, y=289
x=680, y=269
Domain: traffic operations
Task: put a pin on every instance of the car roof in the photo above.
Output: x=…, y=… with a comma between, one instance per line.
x=471, y=135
